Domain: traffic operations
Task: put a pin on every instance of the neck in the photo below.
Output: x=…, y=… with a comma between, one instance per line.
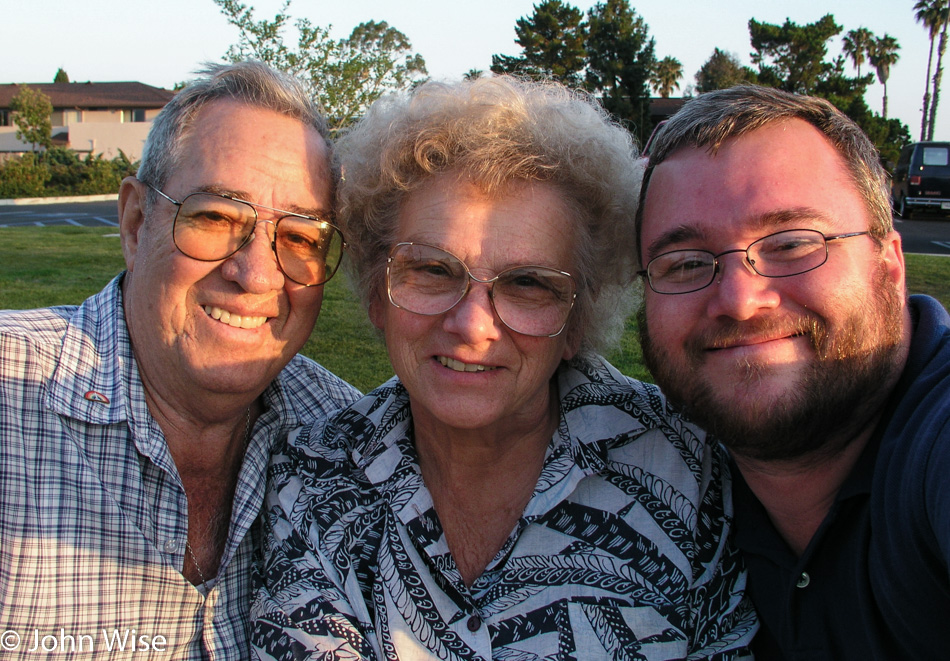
x=480, y=483
x=799, y=493
x=208, y=454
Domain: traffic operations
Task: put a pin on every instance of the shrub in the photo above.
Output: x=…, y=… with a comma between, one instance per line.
x=24, y=177
x=60, y=171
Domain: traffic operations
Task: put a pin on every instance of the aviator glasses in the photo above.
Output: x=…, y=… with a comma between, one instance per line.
x=778, y=255
x=211, y=227
x=531, y=300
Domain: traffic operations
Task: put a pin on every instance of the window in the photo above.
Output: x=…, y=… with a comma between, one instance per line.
x=5, y=118
x=138, y=115
x=935, y=155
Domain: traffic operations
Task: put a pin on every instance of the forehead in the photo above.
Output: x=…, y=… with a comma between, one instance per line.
x=258, y=153
x=783, y=176
x=527, y=223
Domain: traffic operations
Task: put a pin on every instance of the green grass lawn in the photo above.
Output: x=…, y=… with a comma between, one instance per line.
x=42, y=266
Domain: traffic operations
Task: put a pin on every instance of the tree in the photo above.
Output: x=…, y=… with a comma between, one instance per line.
x=721, y=71
x=32, y=114
x=938, y=75
x=552, y=43
x=791, y=57
x=620, y=59
x=666, y=76
x=933, y=14
x=856, y=46
x=345, y=75
x=61, y=76
x=883, y=55
x=472, y=74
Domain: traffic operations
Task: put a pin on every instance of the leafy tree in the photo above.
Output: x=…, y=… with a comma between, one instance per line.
x=721, y=71
x=883, y=54
x=61, y=76
x=345, y=75
x=32, y=114
x=857, y=44
x=552, y=43
x=933, y=14
x=666, y=76
x=620, y=59
x=791, y=57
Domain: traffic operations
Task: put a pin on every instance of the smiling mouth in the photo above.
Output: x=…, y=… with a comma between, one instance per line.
x=459, y=366
x=234, y=320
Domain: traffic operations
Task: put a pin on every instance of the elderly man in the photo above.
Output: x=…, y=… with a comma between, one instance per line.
x=775, y=316
x=135, y=429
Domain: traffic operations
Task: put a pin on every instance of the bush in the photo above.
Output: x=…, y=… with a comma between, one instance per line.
x=26, y=176
x=60, y=171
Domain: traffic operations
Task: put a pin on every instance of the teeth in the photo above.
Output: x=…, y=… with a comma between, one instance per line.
x=459, y=366
x=234, y=320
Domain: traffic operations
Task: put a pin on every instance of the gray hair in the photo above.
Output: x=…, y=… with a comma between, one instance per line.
x=252, y=83
x=712, y=118
x=497, y=131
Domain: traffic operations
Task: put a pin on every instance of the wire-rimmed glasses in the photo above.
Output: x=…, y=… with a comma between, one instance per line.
x=531, y=300
x=210, y=227
x=778, y=255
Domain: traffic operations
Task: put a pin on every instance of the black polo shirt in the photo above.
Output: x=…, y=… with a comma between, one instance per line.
x=874, y=583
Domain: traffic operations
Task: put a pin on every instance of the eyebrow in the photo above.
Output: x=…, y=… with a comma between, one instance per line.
x=772, y=220
x=320, y=213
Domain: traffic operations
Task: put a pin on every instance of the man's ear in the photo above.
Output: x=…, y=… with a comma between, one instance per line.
x=132, y=194
x=893, y=256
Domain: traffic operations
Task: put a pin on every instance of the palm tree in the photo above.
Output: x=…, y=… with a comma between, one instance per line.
x=933, y=14
x=666, y=75
x=883, y=54
x=856, y=45
x=941, y=49
x=472, y=74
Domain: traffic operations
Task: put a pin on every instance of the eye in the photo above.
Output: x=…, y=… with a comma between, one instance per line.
x=682, y=265
x=535, y=284
x=788, y=246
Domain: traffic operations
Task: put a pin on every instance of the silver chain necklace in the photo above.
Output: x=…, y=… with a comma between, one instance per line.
x=191, y=551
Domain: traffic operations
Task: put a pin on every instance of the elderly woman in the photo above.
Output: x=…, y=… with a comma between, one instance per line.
x=508, y=494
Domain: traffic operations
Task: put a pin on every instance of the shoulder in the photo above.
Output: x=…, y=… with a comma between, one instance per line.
x=313, y=389
x=40, y=326
x=32, y=337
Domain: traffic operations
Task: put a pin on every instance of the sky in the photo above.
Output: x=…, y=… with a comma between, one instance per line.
x=161, y=42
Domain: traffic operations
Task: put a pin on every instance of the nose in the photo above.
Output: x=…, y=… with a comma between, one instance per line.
x=473, y=318
x=254, y=266
x=740, y=293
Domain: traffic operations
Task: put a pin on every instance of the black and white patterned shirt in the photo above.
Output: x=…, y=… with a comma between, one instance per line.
x=93, y=515
x=621, y=553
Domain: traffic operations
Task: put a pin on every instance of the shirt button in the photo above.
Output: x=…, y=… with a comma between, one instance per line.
x=803, y=580
x=474, y=623
x=170, y=546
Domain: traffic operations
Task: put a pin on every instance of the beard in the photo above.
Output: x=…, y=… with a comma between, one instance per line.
x=836, y=393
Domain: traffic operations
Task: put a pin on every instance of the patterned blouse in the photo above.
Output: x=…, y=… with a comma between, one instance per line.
x=621, y=553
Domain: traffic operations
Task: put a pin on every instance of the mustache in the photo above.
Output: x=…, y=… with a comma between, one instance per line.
x=728, y=332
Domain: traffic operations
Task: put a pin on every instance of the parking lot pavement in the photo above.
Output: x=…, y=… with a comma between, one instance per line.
x=87, y=214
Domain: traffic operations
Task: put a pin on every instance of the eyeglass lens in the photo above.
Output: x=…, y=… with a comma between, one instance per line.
x=531, y=300
x=209, y=227
x=786, y=253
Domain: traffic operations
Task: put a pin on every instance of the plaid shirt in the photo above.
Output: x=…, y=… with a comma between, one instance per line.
x=93, y=515
x=622, y=552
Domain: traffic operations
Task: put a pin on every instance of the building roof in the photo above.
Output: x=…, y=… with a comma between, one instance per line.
x=93, y=95
x=665, y=107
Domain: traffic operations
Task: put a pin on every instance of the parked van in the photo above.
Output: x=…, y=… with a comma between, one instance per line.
x=922, y=179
